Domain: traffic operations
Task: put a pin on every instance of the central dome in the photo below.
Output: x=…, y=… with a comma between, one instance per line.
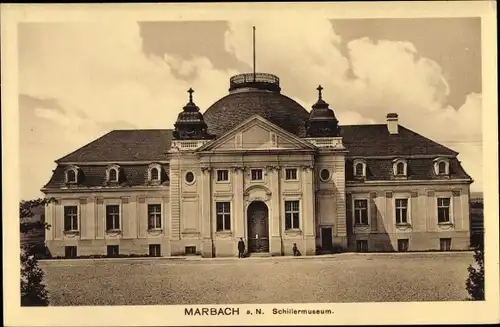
x=255, y=94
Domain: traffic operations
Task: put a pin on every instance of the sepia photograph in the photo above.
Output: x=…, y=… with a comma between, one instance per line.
x=241, y=165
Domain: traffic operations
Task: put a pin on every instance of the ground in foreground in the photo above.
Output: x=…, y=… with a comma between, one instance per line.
x=341, y=278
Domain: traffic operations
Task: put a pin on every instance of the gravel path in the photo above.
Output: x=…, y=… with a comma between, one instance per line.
x=342, y=278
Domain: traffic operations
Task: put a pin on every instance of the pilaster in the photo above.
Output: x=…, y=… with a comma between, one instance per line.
x=206, y=213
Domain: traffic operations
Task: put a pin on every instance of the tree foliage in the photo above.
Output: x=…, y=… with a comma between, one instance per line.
x=475, y=282
x=33, y=292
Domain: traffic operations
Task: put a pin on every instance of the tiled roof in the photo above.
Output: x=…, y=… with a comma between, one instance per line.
x=375, y=140
x=417, y=169
x=95, y=176
x=124, y=145
x=235, y=108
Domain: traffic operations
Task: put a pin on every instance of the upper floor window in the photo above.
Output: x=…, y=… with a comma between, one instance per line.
x=401, y=211
x=441, y=166
x=400, y=167
x=70, y=218
x=324, y=175
x=189, y=177
x=256, y=174
x=112, y=217
x=223, y=216
x=443, y=205
x=222, y=175
x=291, y=174
x=113, y=173
x=71, y=175
x=154, y=216
x=155, y=174
x=292, y=211
x=359, y=168
x=361, y=212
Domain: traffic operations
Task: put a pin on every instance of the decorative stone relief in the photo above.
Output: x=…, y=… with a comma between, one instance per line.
x=142, y=199
x=83, y=200
x=206, y=169
x=271, y=168
x=430, y=193
x=124, y=200
x=414, y=194
x=238, y=169
x=456, y=192
x=99, y=200
x=307, y=167
x=388, y=194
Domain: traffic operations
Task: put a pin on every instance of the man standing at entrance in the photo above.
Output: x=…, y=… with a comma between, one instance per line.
x=241, y=248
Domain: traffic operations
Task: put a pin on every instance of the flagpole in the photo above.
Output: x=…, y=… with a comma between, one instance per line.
x=254, y=53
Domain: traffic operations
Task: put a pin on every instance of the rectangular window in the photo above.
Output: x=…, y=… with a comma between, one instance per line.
x=70, y=218
x=113, y=250
x=361, y=212
x=70, y=251
x=154, y=216
x=362, y=245
x=401, y=211
x=443, y=210
x=154, y=250
x=223, y=212
x=445, y=244
x=256, y=174
x=190, y=250
x=291, y=174
x=403, y=245
x=292, y=215
x=112, y=217
x=222, y=175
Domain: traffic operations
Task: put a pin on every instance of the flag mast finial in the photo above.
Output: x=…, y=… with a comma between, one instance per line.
x=254, y=53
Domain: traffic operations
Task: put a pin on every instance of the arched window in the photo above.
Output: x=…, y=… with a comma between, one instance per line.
x=155, y=175
x=113, y=175
x=442, y=167
x=400, y=168
x=71, y=176
x=359, y=171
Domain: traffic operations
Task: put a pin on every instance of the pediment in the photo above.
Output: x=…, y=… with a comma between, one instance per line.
x=257, y=133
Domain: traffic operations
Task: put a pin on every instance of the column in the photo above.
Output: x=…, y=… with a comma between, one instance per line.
x=239, y=206
x=275, y=212
x=206, y=226
x=308, y=211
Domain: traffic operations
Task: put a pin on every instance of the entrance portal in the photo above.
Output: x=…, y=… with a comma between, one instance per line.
x=326, y=239
x=258, y=227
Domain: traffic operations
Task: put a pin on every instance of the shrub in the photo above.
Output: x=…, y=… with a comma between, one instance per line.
x=475, y=282
x=33, y=292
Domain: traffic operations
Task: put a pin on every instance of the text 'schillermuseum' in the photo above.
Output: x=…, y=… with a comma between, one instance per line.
x=259, y=166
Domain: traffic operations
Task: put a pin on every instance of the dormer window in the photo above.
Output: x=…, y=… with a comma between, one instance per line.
x=113, y=173
x=359, y=168
x=400, y=168
x=72, y=175
x=154, y=173
x=441, y=166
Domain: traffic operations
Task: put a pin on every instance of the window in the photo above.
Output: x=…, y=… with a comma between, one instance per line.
x=442, y=168
x=190, y=250
x=223, y=213
x=222, y=175
x=443, y=210
x=113, y=175
x=292, y=215
x=361, y=212
x=401, y=211
x=155, y=174
x=71, y=176
x=113, y=250
x=190, y=178
x=362, y=245
x=154, y=216
x=445, y=244
x=112, y=217
x=70, y=251
x=400, y=168
x=359, y=170
x=256, y=174
x=291, y=174
x=324, y=175
x=403, y=245
x=70, y=218
x=154, y=250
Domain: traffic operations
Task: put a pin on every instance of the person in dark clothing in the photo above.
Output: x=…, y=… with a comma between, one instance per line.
x=241, y=248
x=296, y=251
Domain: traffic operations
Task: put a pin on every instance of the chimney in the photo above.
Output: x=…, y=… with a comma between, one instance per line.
x=392, y=123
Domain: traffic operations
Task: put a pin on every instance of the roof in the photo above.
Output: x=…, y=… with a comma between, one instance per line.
x=235, y=108
x=124, y=145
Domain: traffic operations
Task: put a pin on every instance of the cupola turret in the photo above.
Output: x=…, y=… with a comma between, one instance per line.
x=322, y=121
x=190, y=124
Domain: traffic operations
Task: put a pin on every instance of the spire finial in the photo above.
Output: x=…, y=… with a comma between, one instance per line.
x=320, y=88
x=190, y=91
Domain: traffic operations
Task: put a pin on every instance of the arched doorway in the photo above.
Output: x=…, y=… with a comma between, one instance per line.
x=258, y=227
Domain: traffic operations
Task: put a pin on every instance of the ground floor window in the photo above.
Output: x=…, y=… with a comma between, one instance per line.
x=154, y=250
x=154, y=216
x=112, y=217
x=361, y=212
x=292, y=210
x=113, y=250
x=362, y=245
x=403, y=245
x=190, y=250
x=70, y=251
x=223, y=212
x=445, y=244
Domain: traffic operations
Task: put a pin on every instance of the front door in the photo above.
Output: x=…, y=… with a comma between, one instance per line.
x=326, y=239
x=258, y=227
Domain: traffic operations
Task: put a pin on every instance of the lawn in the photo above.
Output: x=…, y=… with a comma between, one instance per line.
x=342, y=278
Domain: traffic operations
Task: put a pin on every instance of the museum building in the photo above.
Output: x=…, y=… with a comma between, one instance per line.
x=257, y=165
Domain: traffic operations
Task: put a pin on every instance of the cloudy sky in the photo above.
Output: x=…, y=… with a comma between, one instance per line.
x=77, y=81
